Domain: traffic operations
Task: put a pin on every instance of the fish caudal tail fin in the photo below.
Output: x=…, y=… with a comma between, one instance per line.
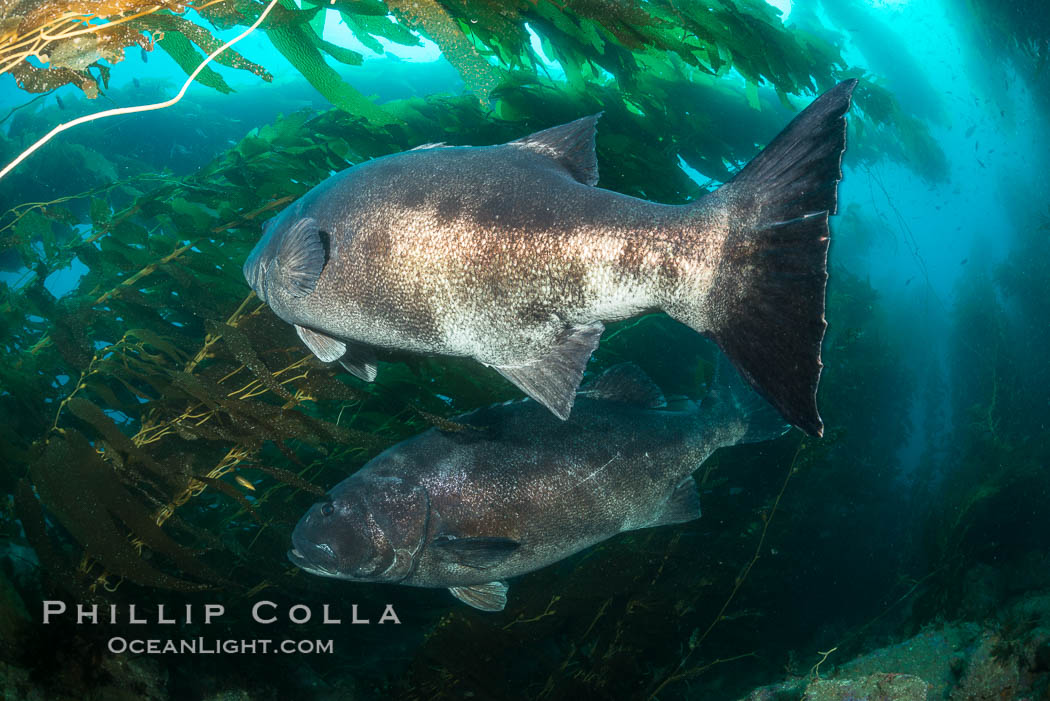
x=764, y=305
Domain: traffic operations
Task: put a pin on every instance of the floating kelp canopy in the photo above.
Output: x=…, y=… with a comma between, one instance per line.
x=622, y=44
x=482, y=39
x=74, y=37
x=163, y=431
x=163, y=423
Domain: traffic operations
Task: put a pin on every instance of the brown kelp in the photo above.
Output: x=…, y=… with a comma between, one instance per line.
x=585, y=36
x=620, y=44
x=139, y=379
x=163, y=379
x=74, y=37
x=990, y=469
x=145, y=396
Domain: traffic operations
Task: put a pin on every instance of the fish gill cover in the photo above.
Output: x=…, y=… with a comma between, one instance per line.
x=163, y=430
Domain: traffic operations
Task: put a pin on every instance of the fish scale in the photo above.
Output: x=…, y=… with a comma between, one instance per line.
x=518, y=491
x=512, y=256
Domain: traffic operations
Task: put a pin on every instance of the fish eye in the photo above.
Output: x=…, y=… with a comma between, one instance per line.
x=327, y=509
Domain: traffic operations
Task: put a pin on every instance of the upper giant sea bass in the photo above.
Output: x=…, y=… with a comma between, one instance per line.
x=510, y=255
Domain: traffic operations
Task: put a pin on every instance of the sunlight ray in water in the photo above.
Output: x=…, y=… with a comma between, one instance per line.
x=692, y=352
x=783, y=5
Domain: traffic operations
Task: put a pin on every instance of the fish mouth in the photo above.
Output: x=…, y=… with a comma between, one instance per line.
x=301, y=561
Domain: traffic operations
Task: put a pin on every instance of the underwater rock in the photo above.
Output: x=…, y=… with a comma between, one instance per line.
x=992, y=673
x=791, y=690
x=873, y=687
x=932, y=655
x=877, y=687
x=1005, y=658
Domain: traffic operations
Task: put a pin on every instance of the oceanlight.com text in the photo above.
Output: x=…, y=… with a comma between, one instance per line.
x=215, y=646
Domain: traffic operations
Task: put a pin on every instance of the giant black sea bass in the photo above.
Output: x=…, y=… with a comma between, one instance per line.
x=517, y=491
x=512, y=256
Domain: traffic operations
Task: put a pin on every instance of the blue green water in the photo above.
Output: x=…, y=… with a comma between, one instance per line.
x=924, y=504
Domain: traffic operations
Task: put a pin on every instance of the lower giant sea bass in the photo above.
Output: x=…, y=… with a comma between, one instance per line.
x=516, y=491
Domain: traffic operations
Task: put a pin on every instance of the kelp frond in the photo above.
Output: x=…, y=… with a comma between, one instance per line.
x=171, y=386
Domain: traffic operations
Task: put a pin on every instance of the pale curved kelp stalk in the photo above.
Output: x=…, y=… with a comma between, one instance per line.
x=489, y=43
x=76, y=36
x=143, y=401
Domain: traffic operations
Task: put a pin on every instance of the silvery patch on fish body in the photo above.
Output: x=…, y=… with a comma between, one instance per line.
x=518, y=491
x=512, y=256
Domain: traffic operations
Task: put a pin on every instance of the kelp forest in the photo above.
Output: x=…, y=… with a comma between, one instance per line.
x=163, y=431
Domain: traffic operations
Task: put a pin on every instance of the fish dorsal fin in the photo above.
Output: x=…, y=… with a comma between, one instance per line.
x=301, y=257
x=424, y=147
x=626, y=383
x=552, y=380
x=571, y=145
x=478, y=553
x=484, y=597
x=326, y=348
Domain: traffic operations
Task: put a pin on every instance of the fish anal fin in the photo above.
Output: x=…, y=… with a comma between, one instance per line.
x=683, y=505
x=301, y=257
x=360, y=361
x=552, y=379
x=484, y=597
x=626, y=383
x=571, y=145
x=326, y=348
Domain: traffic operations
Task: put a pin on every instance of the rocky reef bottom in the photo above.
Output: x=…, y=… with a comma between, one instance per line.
x=1005, y=657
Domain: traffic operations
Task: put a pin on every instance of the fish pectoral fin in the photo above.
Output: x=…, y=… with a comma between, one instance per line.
x=479, y=553
x=301, y=257
x=626, y=383
x=484, y=597
x=552, y=380
x=360, y=361
x=570, y=145
x=326, y=348
x=683, y=504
